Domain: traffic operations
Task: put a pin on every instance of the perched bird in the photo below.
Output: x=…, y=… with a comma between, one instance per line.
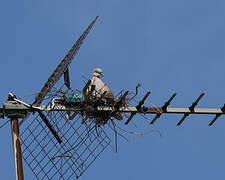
x=97, y=88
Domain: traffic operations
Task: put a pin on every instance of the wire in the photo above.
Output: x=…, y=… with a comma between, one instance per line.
x=139, y=133
x=157, y=108
x=136, y=92
x=128, y=140
x=33, y=94
x=4, y=124
x=114, y=128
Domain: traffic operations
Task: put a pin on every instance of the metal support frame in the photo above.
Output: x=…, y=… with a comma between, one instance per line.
x=17, y=148
x=15, y=109
x=145, y=110
x=11, y=108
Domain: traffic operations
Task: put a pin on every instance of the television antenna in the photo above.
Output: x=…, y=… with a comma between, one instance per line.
x=68, y=134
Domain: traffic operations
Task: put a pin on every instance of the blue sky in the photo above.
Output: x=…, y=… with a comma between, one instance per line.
x=167, y=45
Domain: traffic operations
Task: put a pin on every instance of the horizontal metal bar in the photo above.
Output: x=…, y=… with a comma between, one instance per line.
x=146, y=110
x=195, y=111
x=12, y=108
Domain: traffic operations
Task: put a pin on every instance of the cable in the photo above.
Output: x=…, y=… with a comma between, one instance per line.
x=20, y=97
x=4, y=124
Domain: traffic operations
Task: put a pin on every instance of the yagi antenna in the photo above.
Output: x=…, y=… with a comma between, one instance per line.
x=63, y=137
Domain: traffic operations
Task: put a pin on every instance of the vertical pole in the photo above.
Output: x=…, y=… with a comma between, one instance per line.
x=17, y=149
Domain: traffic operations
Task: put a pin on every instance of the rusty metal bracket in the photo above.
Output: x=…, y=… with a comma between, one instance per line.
x=13, y=109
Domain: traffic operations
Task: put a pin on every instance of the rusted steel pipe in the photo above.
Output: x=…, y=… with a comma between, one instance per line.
x=17, y=149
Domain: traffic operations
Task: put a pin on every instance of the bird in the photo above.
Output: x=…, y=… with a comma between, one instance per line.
x=97, y=89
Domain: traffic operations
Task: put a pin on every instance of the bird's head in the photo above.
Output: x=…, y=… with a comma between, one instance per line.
x=97, y=72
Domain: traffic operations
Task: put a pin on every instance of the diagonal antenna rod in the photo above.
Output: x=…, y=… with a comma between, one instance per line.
x=62, y=67
x=50, y=127
x=217, y=116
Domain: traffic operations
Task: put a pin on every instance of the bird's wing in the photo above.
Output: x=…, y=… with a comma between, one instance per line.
x=108, y=90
